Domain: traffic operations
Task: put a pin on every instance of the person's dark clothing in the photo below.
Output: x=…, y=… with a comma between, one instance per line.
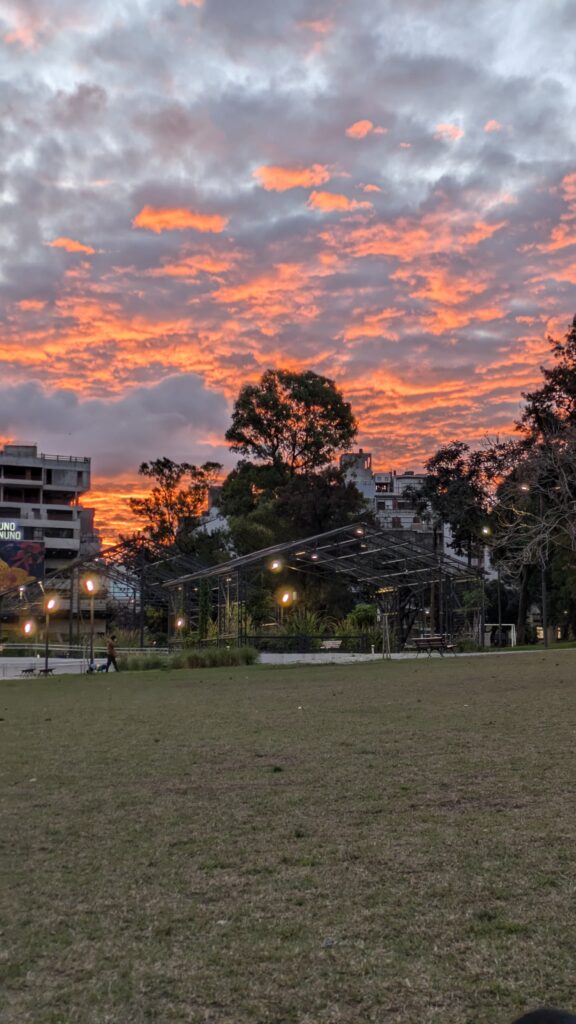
x=111, y=656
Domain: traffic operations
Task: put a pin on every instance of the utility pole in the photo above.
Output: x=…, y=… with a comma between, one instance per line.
x=543, y=579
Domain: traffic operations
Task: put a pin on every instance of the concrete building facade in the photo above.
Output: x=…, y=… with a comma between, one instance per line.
x=389, y=494
x=39, y=501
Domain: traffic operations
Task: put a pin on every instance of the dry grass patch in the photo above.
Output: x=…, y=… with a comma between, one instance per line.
x=383, y=842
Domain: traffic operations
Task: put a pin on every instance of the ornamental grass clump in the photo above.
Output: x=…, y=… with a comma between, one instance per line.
x=216, y=657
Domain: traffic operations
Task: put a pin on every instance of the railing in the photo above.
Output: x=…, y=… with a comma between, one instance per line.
x=65, y=458
x=75, y=652
x=18, y=456
x=282, y=643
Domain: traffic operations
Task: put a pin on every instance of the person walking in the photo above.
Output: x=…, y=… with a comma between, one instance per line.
x=111, y=653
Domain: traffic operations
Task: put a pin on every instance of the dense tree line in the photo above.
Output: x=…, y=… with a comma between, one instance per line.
x=518, y=496
x=289, y=428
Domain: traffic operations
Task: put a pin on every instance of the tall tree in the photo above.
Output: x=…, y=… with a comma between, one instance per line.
x=552, y=407
x=296, y=422
x=178, y=497
x=456, y=490
x=316, y=502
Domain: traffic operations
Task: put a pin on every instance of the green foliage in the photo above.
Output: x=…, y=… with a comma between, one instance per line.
x=248, y=534
x=125, y=637
x=177, y=499
x=472, y=599
x=203, y=609
x=553, y=406
x=457, y=491
x=465, y=645
x=295, y=422
x=363, y=617
x=316, y=502
x=216, y=657
x=360, y=630
x=302, y=622
x=207, y=657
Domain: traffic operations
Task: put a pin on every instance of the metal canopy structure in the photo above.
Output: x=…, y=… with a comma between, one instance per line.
x=398, y=572
x=365, y=553
x=128, y=584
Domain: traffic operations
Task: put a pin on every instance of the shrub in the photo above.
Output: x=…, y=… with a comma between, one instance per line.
x=466, y=645
x=206, y=657
x=215, y=657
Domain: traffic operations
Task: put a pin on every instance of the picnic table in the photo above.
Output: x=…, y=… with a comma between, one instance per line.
x=28, y=672
x=45, y=671
x=439, y=642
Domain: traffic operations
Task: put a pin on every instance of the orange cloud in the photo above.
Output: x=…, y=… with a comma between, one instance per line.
x=281, y=179
x=371, y=188
x=447, y=319
x=70, y=245
x=328, y=201
x=27, y=30
x=374, y=325
x=493, y=126
x=568, y=187
x=178, y=218
x=411, y=238
x=564, y=233
x=435, y=284
x=448, y=132
x=31, y=305
x=320, y=26
x=190, y=266
x=191, y=3
x=360, y=129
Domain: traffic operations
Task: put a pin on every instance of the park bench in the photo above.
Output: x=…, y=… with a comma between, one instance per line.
x=330, y=645
x=439, y=642
x=28, y=672
x=45, y=671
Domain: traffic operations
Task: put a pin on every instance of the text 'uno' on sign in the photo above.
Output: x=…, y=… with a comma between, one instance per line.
x=10, y=530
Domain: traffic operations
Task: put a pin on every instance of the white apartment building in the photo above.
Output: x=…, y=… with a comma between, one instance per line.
x=39, y=497
x=388, y=494
x=390, y=497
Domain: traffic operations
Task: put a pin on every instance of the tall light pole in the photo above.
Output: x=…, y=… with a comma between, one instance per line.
x=90, y=586
x=543, y=588
x=50, y=605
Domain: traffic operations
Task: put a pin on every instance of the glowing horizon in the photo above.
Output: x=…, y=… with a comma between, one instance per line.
x=364, y=203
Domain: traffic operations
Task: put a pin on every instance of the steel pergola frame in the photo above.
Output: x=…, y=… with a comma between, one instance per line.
x=381, y=565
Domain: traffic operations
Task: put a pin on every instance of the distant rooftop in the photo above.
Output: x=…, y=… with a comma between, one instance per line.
x=30, y=451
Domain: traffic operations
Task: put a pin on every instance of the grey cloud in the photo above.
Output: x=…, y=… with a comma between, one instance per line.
x=174, y=418
x=175, y=106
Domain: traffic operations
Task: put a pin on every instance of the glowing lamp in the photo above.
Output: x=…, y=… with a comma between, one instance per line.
x=286, y=597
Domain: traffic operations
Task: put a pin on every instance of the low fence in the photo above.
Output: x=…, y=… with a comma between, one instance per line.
x=282, y=643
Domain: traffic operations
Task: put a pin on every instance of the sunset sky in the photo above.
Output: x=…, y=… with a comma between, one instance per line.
x=193, y=191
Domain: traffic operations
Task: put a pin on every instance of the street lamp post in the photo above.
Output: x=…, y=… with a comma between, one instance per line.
x=90, y=585
x=179, y=623
x=50, y=605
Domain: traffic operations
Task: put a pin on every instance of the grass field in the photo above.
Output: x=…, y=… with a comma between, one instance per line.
x=388, y=842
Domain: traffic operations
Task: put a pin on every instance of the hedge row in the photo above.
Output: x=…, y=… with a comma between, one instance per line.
x=209, y=657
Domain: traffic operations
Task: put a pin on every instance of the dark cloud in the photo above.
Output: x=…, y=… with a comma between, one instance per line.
x=178, y=415
x=422, y=269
